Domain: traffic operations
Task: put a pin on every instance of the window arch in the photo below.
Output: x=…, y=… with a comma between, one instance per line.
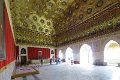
x=60, y=55
x=112, y=52
x=69, y=55
x=86, y=54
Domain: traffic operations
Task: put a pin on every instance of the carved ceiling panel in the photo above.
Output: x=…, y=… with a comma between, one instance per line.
x=50, y=22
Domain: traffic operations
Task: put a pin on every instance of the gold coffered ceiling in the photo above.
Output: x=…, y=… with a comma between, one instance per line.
x=49, y=22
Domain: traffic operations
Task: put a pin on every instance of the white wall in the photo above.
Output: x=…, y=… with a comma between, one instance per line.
x=97, y=46
x=7, y=73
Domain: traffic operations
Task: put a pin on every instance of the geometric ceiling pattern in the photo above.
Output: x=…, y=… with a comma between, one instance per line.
x=60, y=22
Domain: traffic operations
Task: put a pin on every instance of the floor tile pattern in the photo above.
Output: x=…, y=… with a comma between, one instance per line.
x=75, y=72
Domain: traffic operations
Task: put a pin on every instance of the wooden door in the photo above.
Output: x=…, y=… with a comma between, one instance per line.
x=23, y=60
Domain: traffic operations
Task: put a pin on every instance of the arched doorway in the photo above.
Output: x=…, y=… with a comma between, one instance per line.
x=60, y=55
x=86, y=54
x=23, y=56
x=69, y=55
x=112, y=53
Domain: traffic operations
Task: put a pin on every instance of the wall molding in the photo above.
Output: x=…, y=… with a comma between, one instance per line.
x=5, y=67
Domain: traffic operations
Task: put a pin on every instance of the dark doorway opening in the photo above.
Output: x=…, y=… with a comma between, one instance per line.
x=23, y=60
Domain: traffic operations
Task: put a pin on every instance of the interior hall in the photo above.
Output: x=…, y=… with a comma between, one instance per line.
x=59, y=39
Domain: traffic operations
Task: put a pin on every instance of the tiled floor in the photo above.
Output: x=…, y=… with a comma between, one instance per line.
x=75, y=72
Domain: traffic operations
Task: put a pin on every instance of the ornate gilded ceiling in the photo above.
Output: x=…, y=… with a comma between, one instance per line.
x=59, y=22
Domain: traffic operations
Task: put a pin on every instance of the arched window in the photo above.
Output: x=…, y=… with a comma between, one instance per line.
x=23, y=51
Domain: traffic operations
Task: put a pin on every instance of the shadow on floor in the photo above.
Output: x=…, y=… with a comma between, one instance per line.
x=24, y=78
x=36, y=78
